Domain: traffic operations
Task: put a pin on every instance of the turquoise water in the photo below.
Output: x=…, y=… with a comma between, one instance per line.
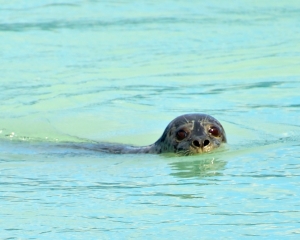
x=120, y=71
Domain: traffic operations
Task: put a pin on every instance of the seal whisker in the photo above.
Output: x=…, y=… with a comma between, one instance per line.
x=187, y=121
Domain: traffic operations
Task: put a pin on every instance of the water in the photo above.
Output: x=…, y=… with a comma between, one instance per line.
x=120, y=71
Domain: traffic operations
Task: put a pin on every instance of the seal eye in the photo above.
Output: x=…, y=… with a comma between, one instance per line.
x=214, y=131
x=181, y=134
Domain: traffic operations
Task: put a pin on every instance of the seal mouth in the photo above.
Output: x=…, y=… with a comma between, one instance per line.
x=194, y=150
x=204, y=149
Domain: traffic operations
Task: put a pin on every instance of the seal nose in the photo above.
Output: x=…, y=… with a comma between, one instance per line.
x=198, y=143
x=206, y=142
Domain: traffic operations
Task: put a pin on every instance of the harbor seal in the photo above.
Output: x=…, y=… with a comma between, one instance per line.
x=186, y=135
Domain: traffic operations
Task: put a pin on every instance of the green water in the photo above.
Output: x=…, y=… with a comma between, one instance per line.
x=120, y=71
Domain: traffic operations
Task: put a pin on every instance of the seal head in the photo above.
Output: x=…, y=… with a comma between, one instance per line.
x=191, y=134
x=185, y=135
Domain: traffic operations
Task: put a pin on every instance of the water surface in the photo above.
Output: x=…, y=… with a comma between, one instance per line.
x=120, y=72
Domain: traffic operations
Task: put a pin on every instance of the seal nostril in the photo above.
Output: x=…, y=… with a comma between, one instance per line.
x=196, y=143
x=205, y=143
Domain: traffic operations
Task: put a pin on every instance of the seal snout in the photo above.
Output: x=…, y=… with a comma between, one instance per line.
x=200, y=143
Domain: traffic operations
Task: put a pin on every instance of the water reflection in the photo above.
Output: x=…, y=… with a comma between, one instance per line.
x=203, y=167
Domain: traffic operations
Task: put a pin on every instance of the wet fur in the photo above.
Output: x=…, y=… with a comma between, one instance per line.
x=196, y=124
